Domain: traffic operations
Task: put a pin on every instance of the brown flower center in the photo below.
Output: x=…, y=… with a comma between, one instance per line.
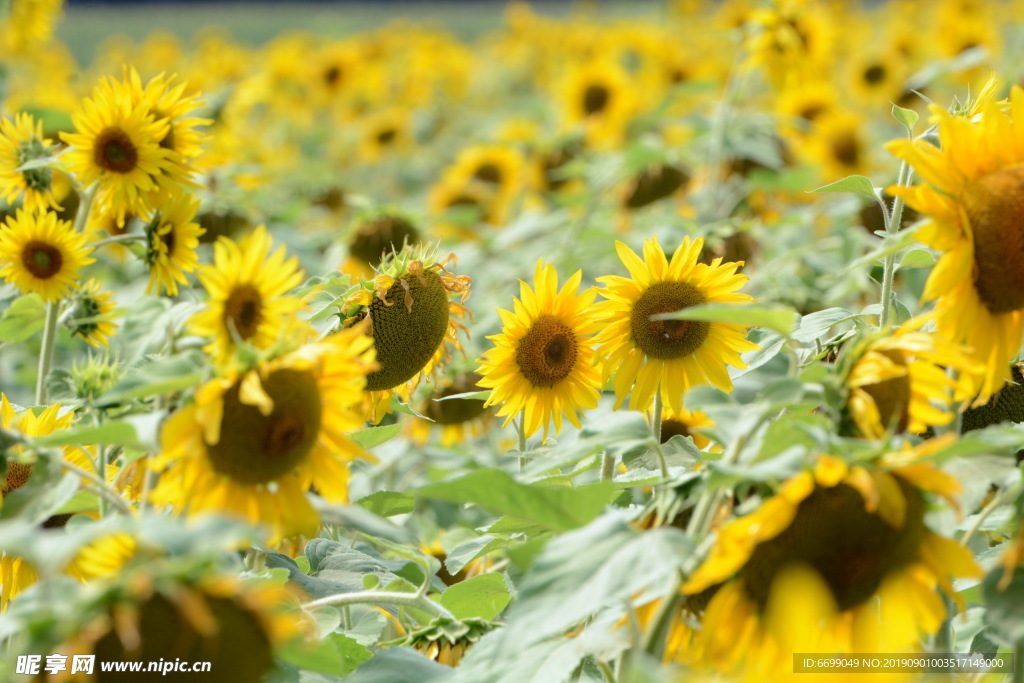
x=17, y=475
x=850, y=548
x=547, y=354
x=874, y=74
x=244, y=310
x=115, y=152
x=892, y=396
x=846, y=148
x=458, y=410
x=488, y=173
x=41, y=259
x=383, y=234
x=595, y=99
x=255, y=448
x=667, y=339
x=670, y=428
x=995, y=210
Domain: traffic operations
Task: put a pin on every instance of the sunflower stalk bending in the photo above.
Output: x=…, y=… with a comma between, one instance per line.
x=892, y=226
x=414, y=600
x=118, y=239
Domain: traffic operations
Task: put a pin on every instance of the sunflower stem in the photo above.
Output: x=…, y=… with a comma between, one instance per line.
x=521, y=432
x=656, y=432
x=413, y=600
x=82, y=216
x=117, y=239
x=892, y=226
x=607, y=466
x=46, y=352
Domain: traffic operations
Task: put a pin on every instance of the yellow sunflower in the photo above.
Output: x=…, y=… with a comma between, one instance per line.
x=597, y=98
x=542, y=362
x=900, y=382
x=41, y=254
x=971, y=189
x=673, y=354
x=463, y=206
x=460, y=420
x=254, y=443
x=385, y=132
x=412, y=313
x=499, y=166
x=839, y=560
x=247, y=287
x=172, y=238
x=837, y=144
x=117, y=148
x=22, y=141
x=171, y=103
x=94, y=314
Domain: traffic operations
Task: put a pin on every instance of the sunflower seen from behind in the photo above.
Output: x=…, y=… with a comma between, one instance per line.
x=840, y=560
x=541, y=365
x=253, y=443
x=971, y=194
x=94, y=314
x=674, y=355
x=41, y=254
x=248, y=287
x=172, y=237
x=412, y=306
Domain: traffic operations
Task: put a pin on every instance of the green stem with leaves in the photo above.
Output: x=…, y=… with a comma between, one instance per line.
x=47, y=349
x=892, y=226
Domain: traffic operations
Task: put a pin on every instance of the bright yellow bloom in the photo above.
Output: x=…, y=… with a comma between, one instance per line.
x=22, y=141
x=673, y=354
x=172, y=238
x=542, y=362
x=41, y=254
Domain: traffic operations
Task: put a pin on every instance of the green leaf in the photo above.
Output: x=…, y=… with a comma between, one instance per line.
x=83, y=501
x=388, y=503
x=22, y=319
x=375, y=436
x=1003, y=613
x=857, y=184
x=557, y=509
x=461, y=555
x=401, y=665
x=917, y=258
x=336, y=655
x=776, y=318
x=907, y=117
x=356, y=518
x=813, y=325
x=162, y=376
x=483, y=596
x=113, y=432
x=327, y=619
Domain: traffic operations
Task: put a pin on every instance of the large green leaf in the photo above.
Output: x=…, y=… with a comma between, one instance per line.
x=483, y=596
x=555, y=508
x=22, y=319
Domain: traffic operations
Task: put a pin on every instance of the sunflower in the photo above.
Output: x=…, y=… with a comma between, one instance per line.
x=164, y=613
x=878, y=76
x=972, y=182
x=836, y=144
x=839, y=560
x=94, y=314
x=171, y=103
x=685, y=423
x=172, y=238
x=597, y=97
x=41, y=254
x=253, y=443
x=463, y=206
x=459, y=419
x=446, y=642
x=117, y=148
x=384, y=132
x=791, y=40
x=21, y=142
x=675, y=354
x=800, y=105
x=900, y=382
x=412, y=312
x=247, y=287
x=499, y=166
x=542, y=362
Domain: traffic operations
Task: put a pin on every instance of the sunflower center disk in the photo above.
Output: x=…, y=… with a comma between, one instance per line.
x=851, y=549
x=115, y=151
x=667, y=339
x=256, y=448
x=41, y=259
x=670, y=428
x=595, y=99
x=244, y=310
x=407, y=337
x=381, y=235
x=488, y=173
x=892, y=397
x=457, y=410
x=846, y=149
x=995, y=210
x=547, y=353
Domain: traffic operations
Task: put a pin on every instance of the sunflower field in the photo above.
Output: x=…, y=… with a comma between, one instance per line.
x=650, y=343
